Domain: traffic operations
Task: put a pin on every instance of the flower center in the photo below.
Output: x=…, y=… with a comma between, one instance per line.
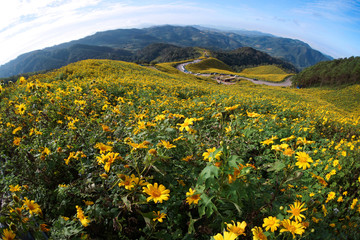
x=296, y=212
x=292, y=228
x=156, y=193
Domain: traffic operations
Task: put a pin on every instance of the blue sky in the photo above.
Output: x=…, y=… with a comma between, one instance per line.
x=330, y=26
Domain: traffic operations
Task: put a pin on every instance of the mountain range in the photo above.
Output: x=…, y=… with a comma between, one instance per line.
x=131, y=45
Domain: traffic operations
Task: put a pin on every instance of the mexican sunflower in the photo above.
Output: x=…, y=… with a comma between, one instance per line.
x=296, y=210
x=157, y=193
x=303, y=160
x=293, y=227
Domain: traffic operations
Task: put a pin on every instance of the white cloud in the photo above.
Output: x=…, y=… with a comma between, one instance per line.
x=332, y=10
x=46, y=23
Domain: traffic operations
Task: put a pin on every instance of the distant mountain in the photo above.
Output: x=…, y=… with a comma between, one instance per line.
x=163, y=52
x=337, y=72
x=125, y=44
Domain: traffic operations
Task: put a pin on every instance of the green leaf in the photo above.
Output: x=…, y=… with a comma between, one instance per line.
x=234, y=161
x=210, y=171
x=207, y=206
x=276, y=166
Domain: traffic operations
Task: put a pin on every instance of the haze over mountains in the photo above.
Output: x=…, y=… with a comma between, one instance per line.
x=130, y=45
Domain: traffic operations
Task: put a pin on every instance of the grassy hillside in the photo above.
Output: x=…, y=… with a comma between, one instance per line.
x=269, y=73
x=104, y=149
x=210, y=65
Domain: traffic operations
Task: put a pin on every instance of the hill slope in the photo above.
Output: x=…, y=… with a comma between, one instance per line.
x=244, y=57
x=330, y=73
x=120, y=41
x=111, y=150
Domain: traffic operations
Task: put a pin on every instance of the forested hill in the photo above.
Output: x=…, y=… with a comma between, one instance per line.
x=330, y=73
x=123, y=44
x=245, y=57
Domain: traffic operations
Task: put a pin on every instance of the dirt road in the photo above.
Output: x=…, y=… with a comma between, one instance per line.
x=286, y=83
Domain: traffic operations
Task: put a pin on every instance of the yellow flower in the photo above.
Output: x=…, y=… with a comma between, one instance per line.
x=323, y=208
x=258, y=234
x=192, y=197
x=271, y=223
x=166, y=144
x=105, y=128
x=111, y=157
x=104, y=176
x=288, y=152
x=301, y=140
x=103, y=148
x=238, y=228
x=296, y=210
x=137, y=146
x=20, y=108
x=32, y=206
x=127, y=182
x=206, y=154
x=354, y=202
x=159, y=216
x=16, y=188
x=231, y=108
x=226, y=236
x=186, y=124
x=46, y=151
x=315, y=220
x=293, y=227
x=187, y=158
x=80, y=215
x=157, y=193
x=303, y=160
x=228, y=129
x=44, y=228
x=152, y=152
x=22, y=80
x=8, y=234
x=16, y=130
x=160, y=117
x=269, y=141
x=276, y=147
x=88, y=203
x=331, y=196
x=288, y=138
x=107, y=159
x=253, y=114
x=17, y=141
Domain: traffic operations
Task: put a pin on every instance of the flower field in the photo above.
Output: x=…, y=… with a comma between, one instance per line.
x=269, y=73
x=104, y=149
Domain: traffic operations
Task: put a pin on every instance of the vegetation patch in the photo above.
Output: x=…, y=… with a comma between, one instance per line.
x=330, y=73
x=209, y=65
x=104, y=149
x=269, y=73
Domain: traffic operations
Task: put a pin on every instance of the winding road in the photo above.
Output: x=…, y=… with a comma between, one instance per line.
x=285, y=83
